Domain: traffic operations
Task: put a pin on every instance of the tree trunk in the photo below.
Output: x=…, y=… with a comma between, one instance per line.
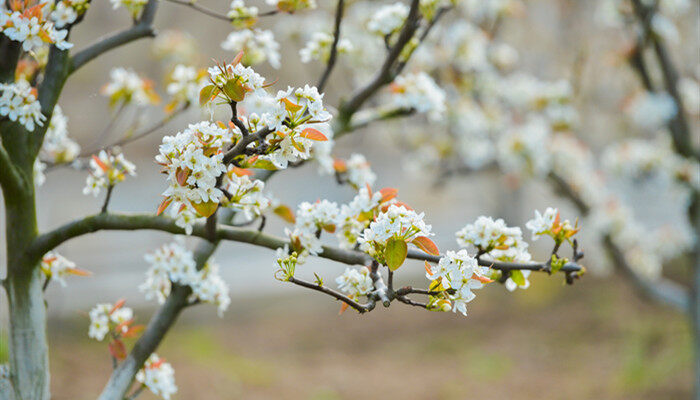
x=29, y=353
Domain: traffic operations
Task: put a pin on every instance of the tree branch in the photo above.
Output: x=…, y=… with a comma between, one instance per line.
x=142, y=28
x=334, y=47
x=663, y=290
x=385, y=75
x=361, y=308
x=10, y=179
x=215, y=14
x=109, y=221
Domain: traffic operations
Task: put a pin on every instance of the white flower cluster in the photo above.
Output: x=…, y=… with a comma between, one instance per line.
x=311, y=219
x=542, y=222
x=495, y=239
x=193, y=160
x=126, y=86
x=173, y=263
x=57, y=146
x=246, y=194
x=241, y=15
x=30, y=27
x=355, y=216
x=397, y=222
x=258, y=46
x=18, y=102
x=158, y=376
x=650, y=110
x=135, y=7
x=319, y=47
x=56, y=267
x=292, y=5
x=175, y=46
x=359, y=173
x=184, y=85
x=293, y=113
x=355, y=282
x=105, y=317
x=65, y=12
x=388, y=19
x=460, y=272
x=522, y=149
x=420, y=92
x=107, y=170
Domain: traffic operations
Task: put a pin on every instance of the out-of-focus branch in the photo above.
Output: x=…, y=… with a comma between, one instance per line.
x=142, y=28
x=661, y=289
x=367, y=117
x=334, y=46
x=386, y=73
x=680, y=130
x=9, y=55
x=215, y=14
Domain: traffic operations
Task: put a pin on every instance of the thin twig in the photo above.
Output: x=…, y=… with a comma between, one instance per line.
x=334, y=47
x=110, y=188
x=215, y=14
x=361, y=308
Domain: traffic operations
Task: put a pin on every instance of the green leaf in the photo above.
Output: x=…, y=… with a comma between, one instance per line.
x=262, y=163
x=395, y=253
x=517, y=276
x=234, y=90
x=206, y=94
x=319, y=280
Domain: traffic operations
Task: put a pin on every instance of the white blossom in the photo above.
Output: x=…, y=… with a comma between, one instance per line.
x=158, y=376
x=18, y=102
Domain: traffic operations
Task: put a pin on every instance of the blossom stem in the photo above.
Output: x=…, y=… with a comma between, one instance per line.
x=334, y=47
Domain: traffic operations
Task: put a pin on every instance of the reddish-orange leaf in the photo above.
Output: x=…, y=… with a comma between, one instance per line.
x=133, y=331
x=241, y=171
x=285, y=213
x=339, y=165
x=290, y=106
x=181, y=175
x=344, y=306
x=49, y=260
x=117, y=305
x=117, y=349
x=119, y=328
x=426, y=245
x=99, y=162
x=79, y=272
x=369, y=190
x=163, y=205
x=428, y=268
x=238, y=58
x=388, y=194
x=313, y=134
x=482, y=279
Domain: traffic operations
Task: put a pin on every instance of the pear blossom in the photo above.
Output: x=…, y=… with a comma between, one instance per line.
x=319, y=47
x=355, y=282
x=185, y=84
x=106, y=317
x=57, y=146
x=18, y=102
x=388, y=19
x=175, y=46
x=397, y=222
x=158, y=376
x=173, y=264
x=257, y=45
x=650, y=110
x=56, y=267
x=420, y=92
x=135, y=7
x=460, y=273
x=542, y=222
x=241, y=15
x=495, y=239
x=106, y=170
x=359, y=173
x=292, y=5
x=126, y=86
x=29, y=26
